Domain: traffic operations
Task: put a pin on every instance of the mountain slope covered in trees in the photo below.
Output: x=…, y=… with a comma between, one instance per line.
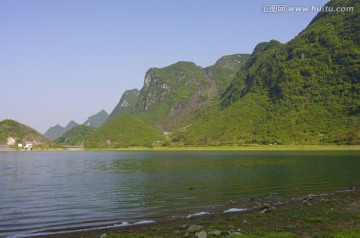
x=97, y=120
x=127, y=103
x=306, y=91
x=171, y=94
x=75, y=136
x=55, y=131
x=13, y=133
x=124, y=130
x=169, y=97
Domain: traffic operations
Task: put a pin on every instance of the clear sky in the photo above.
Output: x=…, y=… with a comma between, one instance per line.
x=63, y=60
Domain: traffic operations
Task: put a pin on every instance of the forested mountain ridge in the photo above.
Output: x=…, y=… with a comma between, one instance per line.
x=169, y=97
x=55, y=131
x=172, y=93
x=166, y=88
x=124, y=130
x=225, y=69
x=306, y=91
x=97, y=120
x=126, y=104
x=75, y=136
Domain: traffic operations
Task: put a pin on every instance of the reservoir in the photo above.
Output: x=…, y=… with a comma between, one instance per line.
x=54, y=191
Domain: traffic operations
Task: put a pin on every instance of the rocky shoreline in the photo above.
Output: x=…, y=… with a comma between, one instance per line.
x=310, y=216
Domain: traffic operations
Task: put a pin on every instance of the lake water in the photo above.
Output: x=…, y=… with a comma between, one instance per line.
x=44, y=191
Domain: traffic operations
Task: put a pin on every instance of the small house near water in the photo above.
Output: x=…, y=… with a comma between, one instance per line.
x=28, y=146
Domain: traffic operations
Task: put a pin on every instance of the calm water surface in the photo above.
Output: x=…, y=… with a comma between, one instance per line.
x=43, y=191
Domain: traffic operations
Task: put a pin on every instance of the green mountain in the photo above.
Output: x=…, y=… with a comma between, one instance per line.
x=306, y=91
x=54, y=132
x=127, y=103
x=75, y=136
x=97, y=120
x=171, y=94
x=166, y=88
x=13, y=133
x=70, y=125
x=124, y=130
x=225, y=69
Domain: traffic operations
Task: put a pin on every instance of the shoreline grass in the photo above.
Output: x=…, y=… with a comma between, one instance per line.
x=247, y=147
x=250, y=147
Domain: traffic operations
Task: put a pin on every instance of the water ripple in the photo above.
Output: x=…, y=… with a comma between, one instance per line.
x=60, y=190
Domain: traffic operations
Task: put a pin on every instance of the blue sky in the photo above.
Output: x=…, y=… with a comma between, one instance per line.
x=65, y=60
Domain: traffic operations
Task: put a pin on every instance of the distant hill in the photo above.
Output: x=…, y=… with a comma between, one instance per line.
x=306, y=91
x=71, y=125
x=124, y=130
x=126, y=104
x=97, y=120
x=75, y=136
x=54, y=132
x=13, y=133
x=93, y=121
